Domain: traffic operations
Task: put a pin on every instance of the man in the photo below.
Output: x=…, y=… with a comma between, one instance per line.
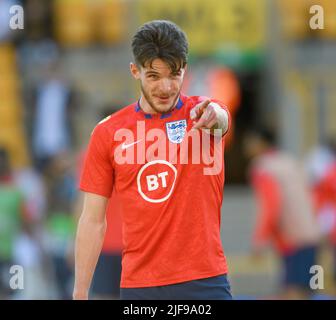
x=285, y=211
x=170, y=201
x=12, y=211
x=53, y=104
x=324, y=191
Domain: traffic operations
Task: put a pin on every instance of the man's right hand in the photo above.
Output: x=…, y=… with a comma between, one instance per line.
x=80, y=295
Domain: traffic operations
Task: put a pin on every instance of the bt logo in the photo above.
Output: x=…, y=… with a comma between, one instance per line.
x=156, y=180
x=153, y=181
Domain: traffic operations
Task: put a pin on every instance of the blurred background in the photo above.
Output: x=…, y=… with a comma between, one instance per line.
x=69, y=67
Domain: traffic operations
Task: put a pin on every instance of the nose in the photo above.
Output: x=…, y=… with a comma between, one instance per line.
x=165, y=85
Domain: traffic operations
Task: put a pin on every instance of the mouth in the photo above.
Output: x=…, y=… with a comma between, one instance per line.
x=163, y=99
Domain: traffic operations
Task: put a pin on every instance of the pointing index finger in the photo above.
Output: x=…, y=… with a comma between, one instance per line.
x=203, y=106
x=198, y=110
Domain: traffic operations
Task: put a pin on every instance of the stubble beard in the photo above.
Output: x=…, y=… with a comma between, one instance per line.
x=152, y=105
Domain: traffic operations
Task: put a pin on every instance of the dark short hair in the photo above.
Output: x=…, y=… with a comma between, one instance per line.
x=160, y=39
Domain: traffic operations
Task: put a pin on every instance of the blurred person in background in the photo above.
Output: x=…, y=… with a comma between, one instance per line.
x=29, y=253
x=29, y=247
x=52, y=116
x=32, y=186
x=324, y=190
x=285, y=211
x=319, y=164
x=319, y=159
x=60, y=222
x=20, y=229
x=12, y=215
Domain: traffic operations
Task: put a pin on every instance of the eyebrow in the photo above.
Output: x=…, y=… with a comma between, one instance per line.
x=157, y=73
x=151, y=72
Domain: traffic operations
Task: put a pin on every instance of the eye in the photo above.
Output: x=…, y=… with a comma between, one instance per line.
x=153, y=76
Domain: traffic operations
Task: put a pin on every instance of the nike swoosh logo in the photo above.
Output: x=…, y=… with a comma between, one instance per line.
x=125, y=146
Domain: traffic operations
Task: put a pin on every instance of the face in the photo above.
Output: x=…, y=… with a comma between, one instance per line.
x=160, y=87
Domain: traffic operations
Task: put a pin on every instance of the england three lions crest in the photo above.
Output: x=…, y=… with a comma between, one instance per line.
x=176, y=130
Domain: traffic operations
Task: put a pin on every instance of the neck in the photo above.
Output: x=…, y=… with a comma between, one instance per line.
x=147, y=108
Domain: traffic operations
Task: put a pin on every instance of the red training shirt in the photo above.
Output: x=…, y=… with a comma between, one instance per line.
x=171, y=209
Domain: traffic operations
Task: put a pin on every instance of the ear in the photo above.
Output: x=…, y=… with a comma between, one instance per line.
x=135, y=71
x=185, y=68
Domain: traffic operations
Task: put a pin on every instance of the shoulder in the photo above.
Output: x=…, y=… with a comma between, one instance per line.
x=115, y=121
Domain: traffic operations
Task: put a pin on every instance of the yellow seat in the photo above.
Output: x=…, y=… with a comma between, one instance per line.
x=9, y=87
x=14, y=140
x=111, y=21
x=294, y=17
x=7, y=60
x=73, y=22
x=10, y=115
x=329, y=31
